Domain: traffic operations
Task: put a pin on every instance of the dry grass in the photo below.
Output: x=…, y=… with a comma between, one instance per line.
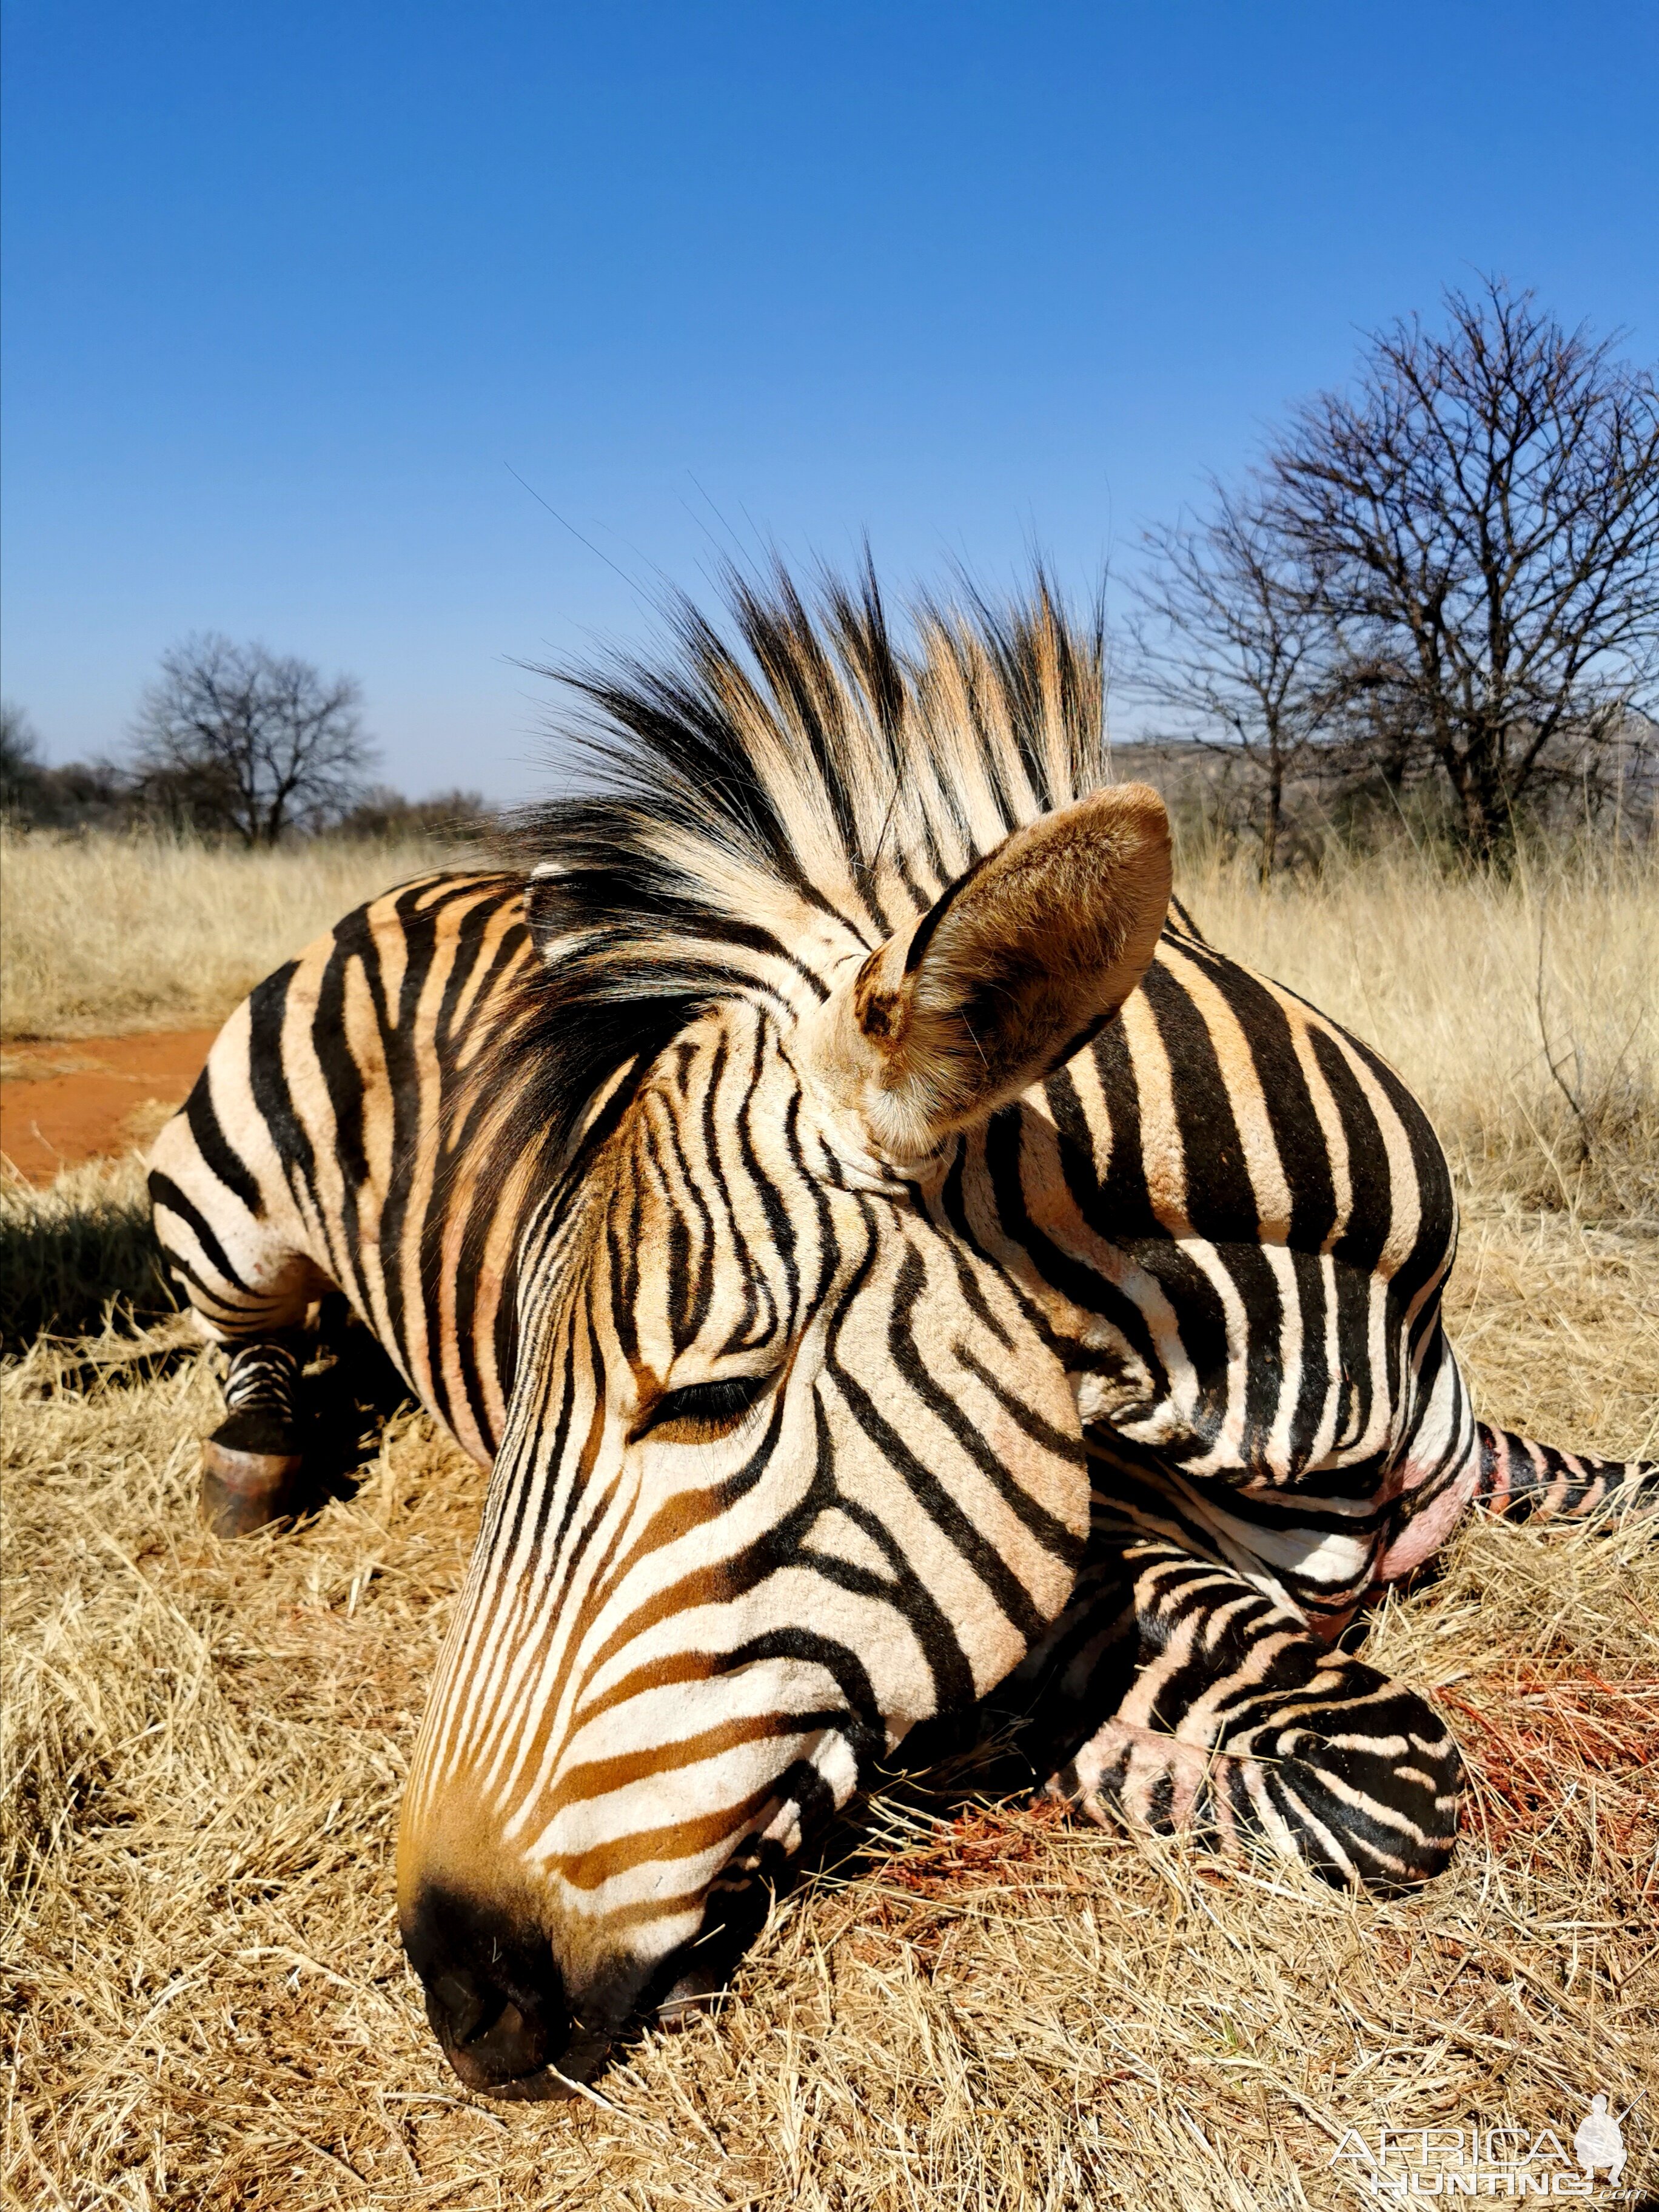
x=987, y=2009
x=104, y=934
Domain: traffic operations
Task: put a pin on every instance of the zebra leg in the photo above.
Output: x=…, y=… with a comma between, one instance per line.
x=1230, y=1721
x=228, y=1239
x=253, y=1464
x=1523, y=1480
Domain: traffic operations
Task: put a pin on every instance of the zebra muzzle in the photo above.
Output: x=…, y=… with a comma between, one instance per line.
x=496, y=2002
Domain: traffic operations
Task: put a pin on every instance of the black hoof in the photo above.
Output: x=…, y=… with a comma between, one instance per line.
x=252, y=1471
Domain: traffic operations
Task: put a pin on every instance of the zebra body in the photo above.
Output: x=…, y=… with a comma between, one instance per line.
x=327, y=1145
x=884, y=1257
x=345, y=1081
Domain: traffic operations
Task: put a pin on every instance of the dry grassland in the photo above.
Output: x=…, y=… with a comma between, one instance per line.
x=978, y=2006
x=104, y=934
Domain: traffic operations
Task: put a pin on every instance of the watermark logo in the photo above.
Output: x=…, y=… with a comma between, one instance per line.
x=1600, y=2142
x=1505, y=2161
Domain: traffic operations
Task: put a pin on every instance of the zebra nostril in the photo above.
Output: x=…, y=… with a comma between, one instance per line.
x=490, y=2039
x=495, y=1996
x=462, y=2006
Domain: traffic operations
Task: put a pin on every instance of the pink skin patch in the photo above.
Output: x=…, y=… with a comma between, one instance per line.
x=1417, y=1536
x=1426, y=1532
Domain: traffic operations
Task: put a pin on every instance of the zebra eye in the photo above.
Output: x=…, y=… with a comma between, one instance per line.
x=702, y=1410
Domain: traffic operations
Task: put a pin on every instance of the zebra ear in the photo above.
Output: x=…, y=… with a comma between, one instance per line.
x=1011, y=971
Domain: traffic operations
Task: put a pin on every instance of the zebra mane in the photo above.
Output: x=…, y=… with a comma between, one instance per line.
x=774, y=798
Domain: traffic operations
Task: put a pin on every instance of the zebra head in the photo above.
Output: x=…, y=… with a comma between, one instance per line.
x=791, y=1463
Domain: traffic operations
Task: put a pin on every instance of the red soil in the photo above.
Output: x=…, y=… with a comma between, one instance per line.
x=88, y=1097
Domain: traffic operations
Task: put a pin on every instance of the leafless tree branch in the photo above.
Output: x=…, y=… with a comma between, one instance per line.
x=251, y=741
x=1482, y=516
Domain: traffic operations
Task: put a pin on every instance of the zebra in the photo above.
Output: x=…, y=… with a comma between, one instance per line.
x=887, y=1257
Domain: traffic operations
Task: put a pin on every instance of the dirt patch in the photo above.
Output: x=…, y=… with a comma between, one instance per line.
x=62, y=1103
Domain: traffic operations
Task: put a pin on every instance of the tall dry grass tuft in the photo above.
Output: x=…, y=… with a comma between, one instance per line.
x=981, y=2007
x=106, y=934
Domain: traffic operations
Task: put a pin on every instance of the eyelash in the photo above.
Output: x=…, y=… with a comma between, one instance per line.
x=707, y=1409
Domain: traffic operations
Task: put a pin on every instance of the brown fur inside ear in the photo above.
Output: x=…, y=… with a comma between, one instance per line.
x=1007, y=975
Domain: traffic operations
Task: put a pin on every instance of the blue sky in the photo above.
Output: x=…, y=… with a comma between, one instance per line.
x=289, y=292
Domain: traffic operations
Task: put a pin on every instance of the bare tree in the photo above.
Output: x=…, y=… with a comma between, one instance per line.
x=244, y=740
x=1230, y=641
x=1480, y=517
x=19, y=759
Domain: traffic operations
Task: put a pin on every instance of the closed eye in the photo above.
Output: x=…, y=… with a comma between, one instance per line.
x=702, y=1410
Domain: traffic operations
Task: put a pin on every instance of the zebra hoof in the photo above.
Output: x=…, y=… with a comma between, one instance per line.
x=243, y=1489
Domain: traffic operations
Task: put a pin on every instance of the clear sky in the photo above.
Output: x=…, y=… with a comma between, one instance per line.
x=290, y=290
